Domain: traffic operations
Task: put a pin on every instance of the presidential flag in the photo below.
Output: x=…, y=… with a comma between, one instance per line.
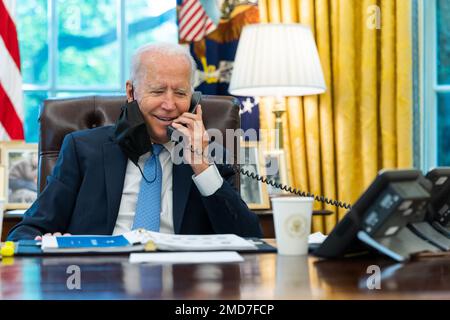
x=211, y=29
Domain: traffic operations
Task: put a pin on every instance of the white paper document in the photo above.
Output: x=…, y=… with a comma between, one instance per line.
x=186, y=257
x=317, y=237
x=182, y=242
x=143, y=240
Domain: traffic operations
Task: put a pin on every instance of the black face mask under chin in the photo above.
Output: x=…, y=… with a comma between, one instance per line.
x=131, y=132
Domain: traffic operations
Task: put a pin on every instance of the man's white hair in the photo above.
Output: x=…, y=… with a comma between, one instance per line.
x=169, y=49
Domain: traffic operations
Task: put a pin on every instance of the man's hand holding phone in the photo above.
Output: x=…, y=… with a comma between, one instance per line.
x=196, y=139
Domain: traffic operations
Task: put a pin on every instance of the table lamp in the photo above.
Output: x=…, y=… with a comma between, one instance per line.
x=277, y=60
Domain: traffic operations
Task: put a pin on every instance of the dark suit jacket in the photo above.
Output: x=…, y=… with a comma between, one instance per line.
x=83, y=194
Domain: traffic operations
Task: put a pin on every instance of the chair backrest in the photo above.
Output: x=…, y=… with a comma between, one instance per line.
x=60, y=116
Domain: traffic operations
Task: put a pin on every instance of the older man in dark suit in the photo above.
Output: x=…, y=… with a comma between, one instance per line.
x=96, y=189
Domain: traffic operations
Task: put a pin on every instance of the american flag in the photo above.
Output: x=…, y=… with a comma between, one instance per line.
x=193, y=21
x=11, y=109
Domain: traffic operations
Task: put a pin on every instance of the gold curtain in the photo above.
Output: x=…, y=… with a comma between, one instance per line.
x=336, y=142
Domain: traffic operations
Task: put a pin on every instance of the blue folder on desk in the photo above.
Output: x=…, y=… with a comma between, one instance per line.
x=28, y=247
x=33, y=247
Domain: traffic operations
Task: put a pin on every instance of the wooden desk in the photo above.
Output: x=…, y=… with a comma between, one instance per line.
x=261, y=276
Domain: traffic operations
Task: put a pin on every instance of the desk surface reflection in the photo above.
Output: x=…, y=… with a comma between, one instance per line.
x=260, y=276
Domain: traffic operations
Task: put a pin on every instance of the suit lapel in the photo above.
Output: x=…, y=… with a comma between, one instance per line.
x=115, y=164
x=181, y=180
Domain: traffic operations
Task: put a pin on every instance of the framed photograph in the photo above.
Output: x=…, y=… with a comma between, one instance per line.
x=253, y=192
x=19, y=162
x=275, y=165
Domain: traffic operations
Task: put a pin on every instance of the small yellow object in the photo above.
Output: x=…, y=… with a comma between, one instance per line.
x=7, y=249
x=150, y=246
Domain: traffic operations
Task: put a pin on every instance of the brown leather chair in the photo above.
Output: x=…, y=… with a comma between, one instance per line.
x=60, y=116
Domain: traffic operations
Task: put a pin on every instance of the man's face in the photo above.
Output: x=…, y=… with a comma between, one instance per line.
x=163, y=92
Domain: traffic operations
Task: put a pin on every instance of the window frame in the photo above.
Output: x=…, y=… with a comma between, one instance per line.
x=51, y=87
x=429, y=86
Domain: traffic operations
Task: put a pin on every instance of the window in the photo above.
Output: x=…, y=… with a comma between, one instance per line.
x=77, y=47
x=443, y=81
x=436, y=83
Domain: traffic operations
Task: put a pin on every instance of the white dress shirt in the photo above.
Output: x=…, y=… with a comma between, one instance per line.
x=207, y=183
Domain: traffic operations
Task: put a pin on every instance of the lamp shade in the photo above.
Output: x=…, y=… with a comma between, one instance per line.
x=276, y=60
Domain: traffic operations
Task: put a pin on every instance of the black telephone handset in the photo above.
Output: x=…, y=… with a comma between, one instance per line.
x=195, y=100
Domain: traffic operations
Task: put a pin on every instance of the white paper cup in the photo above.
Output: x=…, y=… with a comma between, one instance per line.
x=292, y=221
